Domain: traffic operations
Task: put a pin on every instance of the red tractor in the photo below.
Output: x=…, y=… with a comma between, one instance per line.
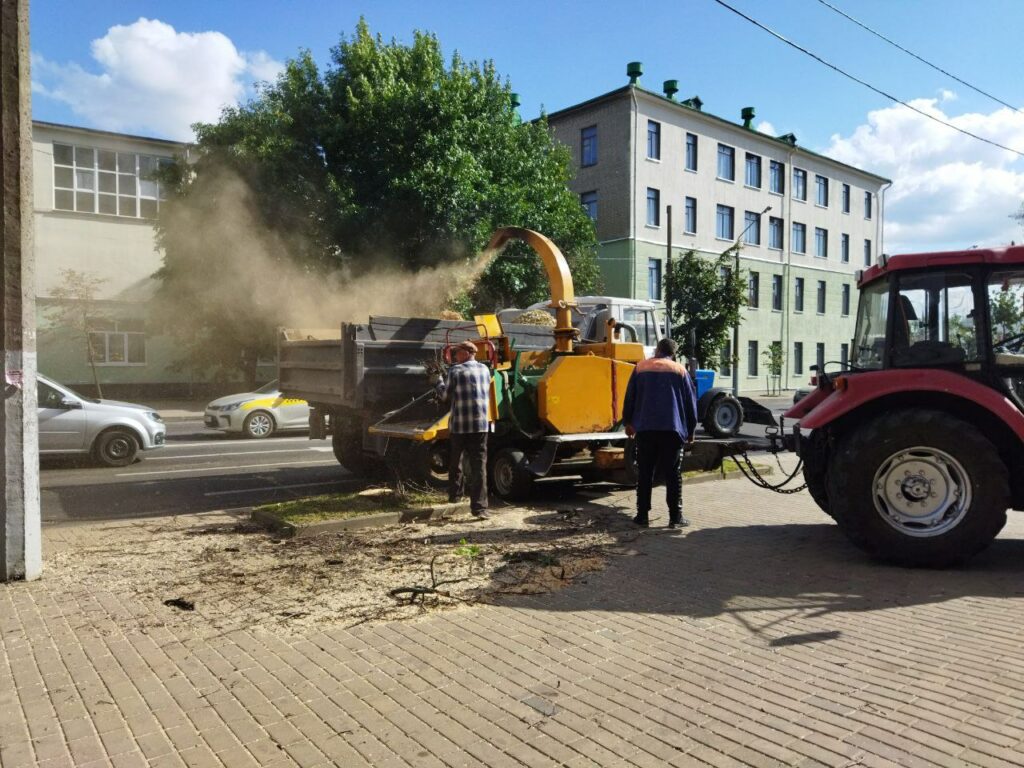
x=916, y=447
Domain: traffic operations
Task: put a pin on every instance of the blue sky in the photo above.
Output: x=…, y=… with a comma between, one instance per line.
x=96, y=64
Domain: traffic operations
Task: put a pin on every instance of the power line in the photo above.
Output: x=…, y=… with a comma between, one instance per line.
x=936, y=67
x=867, y=85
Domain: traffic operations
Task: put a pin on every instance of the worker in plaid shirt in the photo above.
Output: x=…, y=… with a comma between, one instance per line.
x=468, y=390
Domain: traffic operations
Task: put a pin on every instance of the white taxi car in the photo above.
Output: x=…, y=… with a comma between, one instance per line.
x=257, y=414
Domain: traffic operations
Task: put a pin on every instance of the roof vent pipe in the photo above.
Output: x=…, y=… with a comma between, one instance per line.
x=514, y=98
x=748, y=117
x=671, y=88
x=634, y=70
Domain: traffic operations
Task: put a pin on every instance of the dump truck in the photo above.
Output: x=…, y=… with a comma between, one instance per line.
x=556, y=393
x=916, y=446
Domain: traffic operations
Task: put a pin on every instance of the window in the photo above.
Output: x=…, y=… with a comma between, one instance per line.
x=774, y=233
x=844, y=355
x=867, y=205
x=726, y=163
x=690, y=219
x=653, y=140
x=844, y=249
x=691, y=152
x=867, y=253
x=777, y=292
x=821, y=243
x=821, y=297
x=723, y=222
x=752, y=228
x=799, y=184
x=654, y=279
x=588, y=146
x=798, y=295
x=752, y=358
x=821, y=188
x=1005, y=299
x=589, y=201
x=777, y=177
x=653, y=207
x=753, y=178
x=819, y=356
x=725, y=366
x=753, y=289
x=101, y=181
x=798, y=357
x=846, y=198
x=935, y=321
x=846, y=299
x=799, y=239
x=120, y=342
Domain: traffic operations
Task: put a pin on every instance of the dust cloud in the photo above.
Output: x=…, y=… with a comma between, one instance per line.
x=246, y=267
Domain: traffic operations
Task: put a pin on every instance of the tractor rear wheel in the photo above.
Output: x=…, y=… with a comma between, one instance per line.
x=724, y=417
x=918, y=488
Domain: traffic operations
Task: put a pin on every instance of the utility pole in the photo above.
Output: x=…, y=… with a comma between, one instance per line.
x=20, y=528
x=736, y=326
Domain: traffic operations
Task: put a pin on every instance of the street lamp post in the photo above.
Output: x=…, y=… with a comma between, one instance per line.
x=736, y=325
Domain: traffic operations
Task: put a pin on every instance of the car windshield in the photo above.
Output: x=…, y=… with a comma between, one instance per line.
x=269, y=388
x=872, y=314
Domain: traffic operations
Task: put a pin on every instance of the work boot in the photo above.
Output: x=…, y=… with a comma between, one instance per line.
x=643, y=522
x=679, y=522
x=481, y=514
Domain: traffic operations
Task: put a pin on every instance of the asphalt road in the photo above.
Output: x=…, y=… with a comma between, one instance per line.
x=201, y=470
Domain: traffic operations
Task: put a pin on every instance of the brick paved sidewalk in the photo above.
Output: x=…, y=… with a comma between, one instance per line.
x=757, y=638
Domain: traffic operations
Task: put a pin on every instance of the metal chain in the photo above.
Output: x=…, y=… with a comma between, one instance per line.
x=750, y=472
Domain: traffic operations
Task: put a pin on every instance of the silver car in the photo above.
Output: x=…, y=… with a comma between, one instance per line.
x=257, y=414
x=113, y=432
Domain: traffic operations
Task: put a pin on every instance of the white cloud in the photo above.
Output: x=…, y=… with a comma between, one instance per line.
x=154, y=79
x=767, y=128
x=949, y=190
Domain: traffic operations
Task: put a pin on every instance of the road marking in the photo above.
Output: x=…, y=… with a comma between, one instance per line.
x=235, y=453
x=342, y=481
x=223, y=469
x=213, y=443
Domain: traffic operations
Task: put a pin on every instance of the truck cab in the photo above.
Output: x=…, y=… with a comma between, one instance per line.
x=916, y=449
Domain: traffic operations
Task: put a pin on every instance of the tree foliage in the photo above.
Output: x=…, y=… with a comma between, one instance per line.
x=389, y=155
x=706, y=296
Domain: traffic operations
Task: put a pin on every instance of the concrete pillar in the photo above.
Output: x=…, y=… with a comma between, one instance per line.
x=20, y=535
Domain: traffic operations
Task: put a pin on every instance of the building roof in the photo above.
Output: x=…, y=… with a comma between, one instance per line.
x=694, y=112
x=112, y=134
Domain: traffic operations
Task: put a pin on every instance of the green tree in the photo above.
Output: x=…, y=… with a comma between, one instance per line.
x=705, y=296
x=79, y=309
x=1007, y=314
x=389, y=157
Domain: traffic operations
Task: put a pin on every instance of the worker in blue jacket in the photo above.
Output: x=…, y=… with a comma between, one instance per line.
x=661, y=413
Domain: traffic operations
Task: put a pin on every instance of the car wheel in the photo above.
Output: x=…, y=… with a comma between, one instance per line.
x=918, y=488
x=724, y=417
x=258, y=424
x=509, y=476
x=116, y=448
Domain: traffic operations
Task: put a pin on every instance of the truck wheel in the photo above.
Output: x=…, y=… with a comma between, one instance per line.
x=419, y=462
x=918, y=488
x=258, y=424
x=724, y=417
x=814, y=454
x=348, y=450
x=116, y=448
x=509, y=477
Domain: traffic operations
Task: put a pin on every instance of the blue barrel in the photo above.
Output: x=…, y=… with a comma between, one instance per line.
x=705, y=381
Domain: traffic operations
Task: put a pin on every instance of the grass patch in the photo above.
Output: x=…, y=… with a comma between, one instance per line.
x=729, y=467
x=343, y=506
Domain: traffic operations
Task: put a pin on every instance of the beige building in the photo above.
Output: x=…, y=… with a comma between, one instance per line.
x=95, y=200
x=806, y=223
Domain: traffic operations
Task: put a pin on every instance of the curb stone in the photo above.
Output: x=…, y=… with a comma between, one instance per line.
x=306, y=530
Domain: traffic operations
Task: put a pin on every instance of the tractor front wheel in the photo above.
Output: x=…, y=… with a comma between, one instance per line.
x=724, y=417
x=918, y=488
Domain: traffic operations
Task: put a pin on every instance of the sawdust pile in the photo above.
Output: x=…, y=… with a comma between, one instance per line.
x=219, y=572
x=535, y=317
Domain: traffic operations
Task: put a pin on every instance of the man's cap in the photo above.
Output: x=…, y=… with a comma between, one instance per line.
x=467, y=346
